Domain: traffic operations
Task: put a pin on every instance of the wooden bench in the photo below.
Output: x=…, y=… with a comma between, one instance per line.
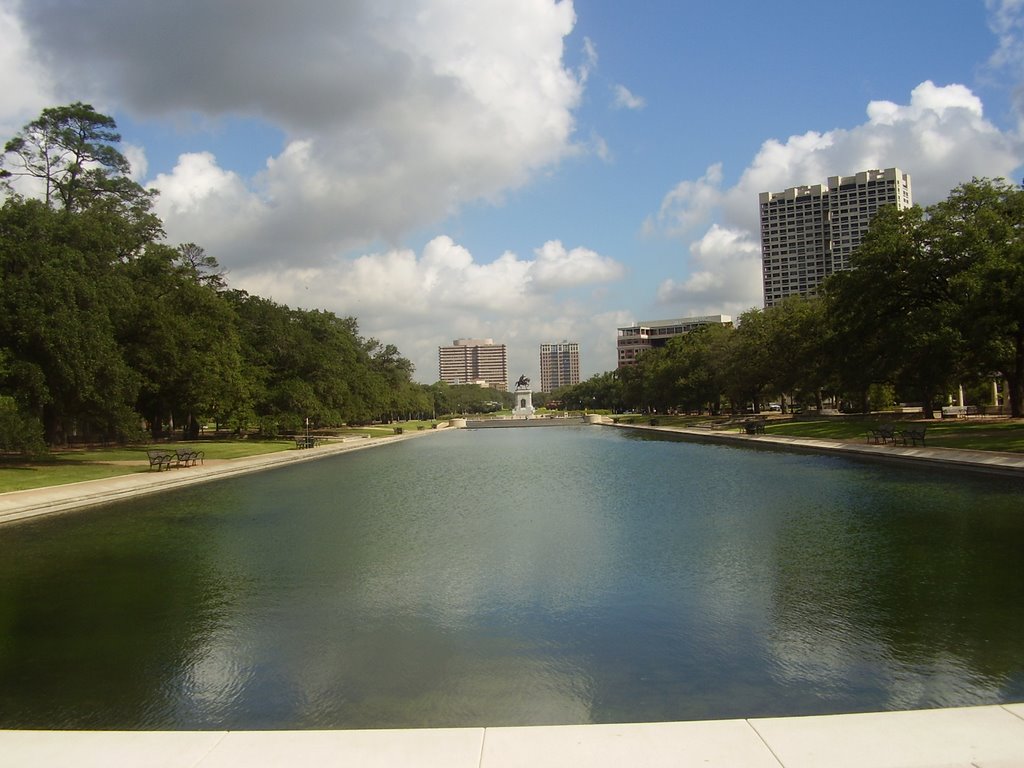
x=880, y=435
x=162, y=459
x=914, y=434
x=307, y=442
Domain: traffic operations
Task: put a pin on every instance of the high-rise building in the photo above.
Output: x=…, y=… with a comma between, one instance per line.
x=633, y=339
x=809, y=232
x=559, y=365
x=474, y=361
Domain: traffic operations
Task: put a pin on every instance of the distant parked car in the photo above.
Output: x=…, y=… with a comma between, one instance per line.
x=774, y=407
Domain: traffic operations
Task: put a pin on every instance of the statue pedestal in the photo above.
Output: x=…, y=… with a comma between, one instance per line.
x=523, y=408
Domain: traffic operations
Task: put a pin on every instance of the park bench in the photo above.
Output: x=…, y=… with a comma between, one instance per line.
x=753, y=427
x=914, y=434
x=307, y=442
x=162, y=459
x=880, y=435
x=189, y=457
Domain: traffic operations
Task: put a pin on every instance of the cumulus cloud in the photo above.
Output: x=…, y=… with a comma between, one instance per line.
x=216, y=204
x=724, y=262
x=517, y=300
x=136, y=157
x=393, y=115
x=940, y=136
x=557, y=267
x=25, y=84
x=395, y=112
x=688, y=205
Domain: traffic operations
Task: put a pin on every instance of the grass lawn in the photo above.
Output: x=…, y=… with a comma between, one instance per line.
x=980, y=435
x=75, y=465
x=975, y=434
x=72, y=466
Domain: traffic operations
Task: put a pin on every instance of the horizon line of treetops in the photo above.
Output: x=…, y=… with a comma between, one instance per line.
x=107, y=333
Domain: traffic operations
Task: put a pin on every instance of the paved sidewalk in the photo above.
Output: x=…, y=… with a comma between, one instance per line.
x=985, y=461
x=21, y=505
x=978, y=737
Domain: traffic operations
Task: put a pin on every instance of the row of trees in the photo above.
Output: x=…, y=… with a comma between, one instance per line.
x=104, y=328
x=934, y=302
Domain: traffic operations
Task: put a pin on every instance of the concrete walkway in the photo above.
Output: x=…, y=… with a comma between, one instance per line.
x=984, y=461
x=978, y=737
x=22, y=505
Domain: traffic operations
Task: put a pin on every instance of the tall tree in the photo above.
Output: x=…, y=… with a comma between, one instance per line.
x=749, y=363
x=797, y=339
x=894, y=314
x=980, y=237
x=181, y=335
x=56, y=300
x=70, y=152
x=702, y=354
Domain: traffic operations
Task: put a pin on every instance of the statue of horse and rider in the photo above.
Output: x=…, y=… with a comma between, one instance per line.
x=523, y=382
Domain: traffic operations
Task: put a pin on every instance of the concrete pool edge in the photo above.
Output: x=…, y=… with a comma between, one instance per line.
x=978, y=736
x=984, y=736
x=977, y=461
x=18, y=506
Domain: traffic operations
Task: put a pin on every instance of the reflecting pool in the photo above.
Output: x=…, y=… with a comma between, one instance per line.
x=518, y=576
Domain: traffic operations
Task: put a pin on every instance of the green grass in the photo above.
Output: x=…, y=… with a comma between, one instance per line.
x=20, y=477
x=981, y=435
x=72, y=466
x=75, y=465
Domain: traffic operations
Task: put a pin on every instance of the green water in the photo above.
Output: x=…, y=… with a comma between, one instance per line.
x=529, y=576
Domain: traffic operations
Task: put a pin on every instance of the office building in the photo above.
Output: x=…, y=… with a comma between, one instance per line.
x=633, y=339
x=809, y=232
x=472, y=361
x=559, y=365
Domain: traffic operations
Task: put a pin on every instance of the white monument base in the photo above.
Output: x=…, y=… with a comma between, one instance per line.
x=523, y=408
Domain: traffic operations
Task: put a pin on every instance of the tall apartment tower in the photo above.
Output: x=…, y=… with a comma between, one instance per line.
x=559, y=365
x=808, y=233
x=474, y=361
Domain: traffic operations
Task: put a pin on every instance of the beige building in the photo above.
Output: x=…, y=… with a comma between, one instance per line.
x=469, y=361
x=559, y=365
x=809, y=232
x=649, y=334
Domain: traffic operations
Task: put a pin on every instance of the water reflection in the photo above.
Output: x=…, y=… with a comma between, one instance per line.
x=901, y=595
x=517, y=577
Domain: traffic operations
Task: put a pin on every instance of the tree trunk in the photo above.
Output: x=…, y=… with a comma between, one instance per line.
x=1015, y=394
x=928, y=404
x=1015, y=379
x=192, y=428
x=54, y=428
